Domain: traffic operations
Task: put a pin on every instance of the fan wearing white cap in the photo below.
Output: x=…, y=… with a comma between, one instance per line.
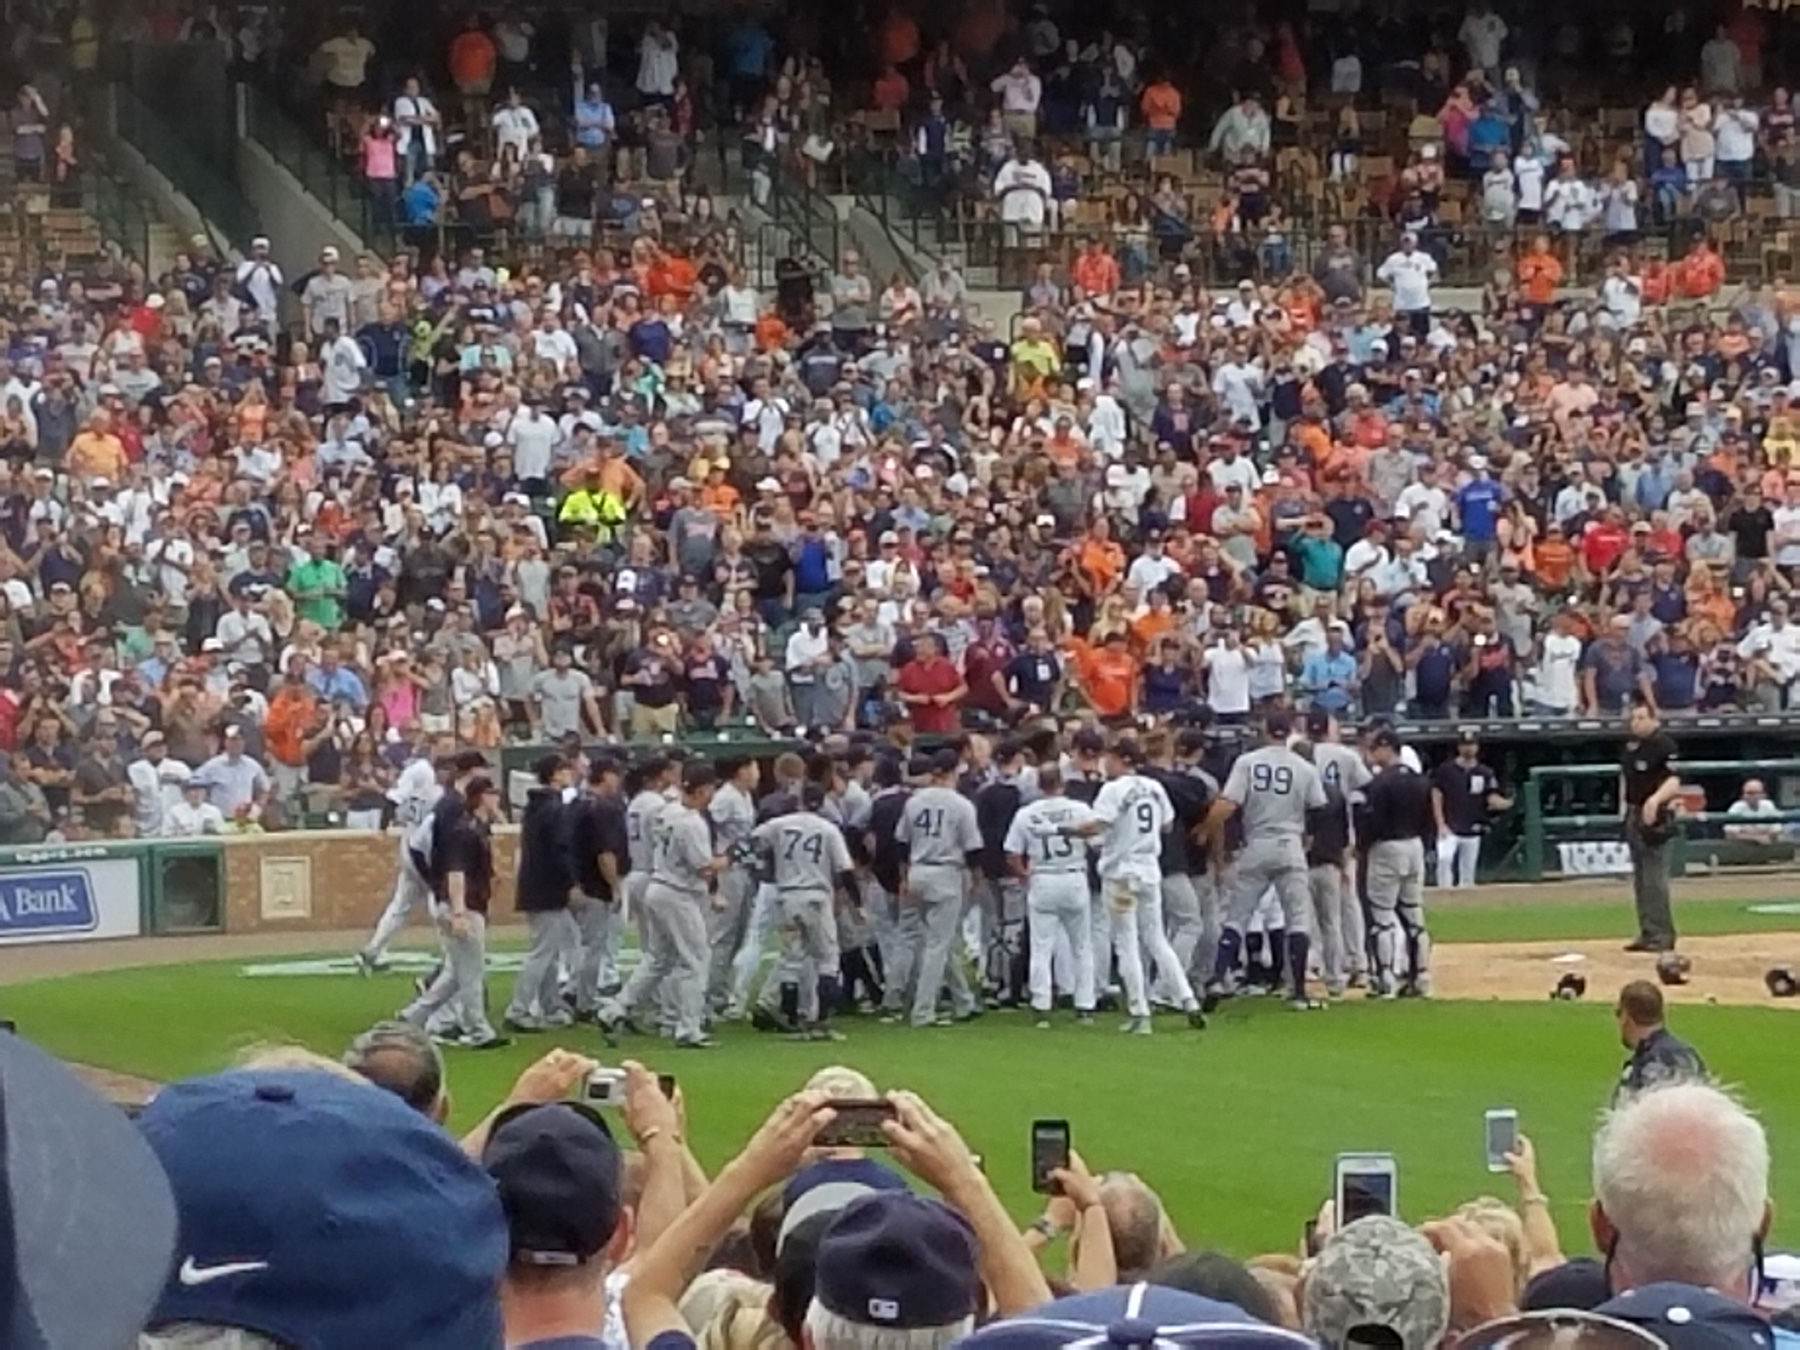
x=260, y=278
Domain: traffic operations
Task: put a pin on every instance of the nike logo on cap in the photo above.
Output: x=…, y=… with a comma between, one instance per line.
x=192, y=1274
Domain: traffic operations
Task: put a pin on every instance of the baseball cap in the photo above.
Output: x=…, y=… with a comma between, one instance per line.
x=1384, y=737
x=898, y=1261
x=83, y=1196
x=1687, y=1317
x=827, y=1186
x=1087, y=741
x=324, y=1214
x=1145, y=1315
x=1318, y=722
x=1377, y=1273
x=560, y=1177
x=945, y=760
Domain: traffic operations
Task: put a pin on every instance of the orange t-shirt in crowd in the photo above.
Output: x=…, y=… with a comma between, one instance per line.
x=1095, y=273
x=97, y=454
x=1698, y=275
x=1555, y=562
x=721, y=499
x=284, y=729
x=1102, y=560
x=1110, y=678
x=1149, y=626
x=1539, y=276
x=891, y=91
x=771, y=333
x=472, y=57
x=673, y=275
x=1161, y=105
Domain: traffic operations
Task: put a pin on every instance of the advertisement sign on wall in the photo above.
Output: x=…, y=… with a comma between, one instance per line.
x=68, y=895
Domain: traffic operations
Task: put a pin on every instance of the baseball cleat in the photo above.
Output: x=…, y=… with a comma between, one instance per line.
x=1196, y=1019
x=1305, y=1004
x=1215, y=994
x=697, y=1043
x=1654, y=945
x=1137, y=1026
x=1412, y=990
x=525, y=1026
x=494, y=1042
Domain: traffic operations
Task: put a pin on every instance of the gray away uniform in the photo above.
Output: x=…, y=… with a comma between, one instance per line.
x=673, y=927
x=939, y=830
x=806, y=854
x=733, y=817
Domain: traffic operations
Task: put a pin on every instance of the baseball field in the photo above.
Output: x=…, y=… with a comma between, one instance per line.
x=1236, y=1126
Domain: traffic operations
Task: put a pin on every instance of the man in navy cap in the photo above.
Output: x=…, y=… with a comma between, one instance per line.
x=322, y=1213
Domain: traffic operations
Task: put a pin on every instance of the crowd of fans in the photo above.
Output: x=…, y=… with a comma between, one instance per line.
x=265, y=536
x=558, y=1225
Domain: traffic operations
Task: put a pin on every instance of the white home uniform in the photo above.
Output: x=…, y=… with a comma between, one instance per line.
x=806, y=855
x=1056, y=894
x=413, y=794
x=1135, y=811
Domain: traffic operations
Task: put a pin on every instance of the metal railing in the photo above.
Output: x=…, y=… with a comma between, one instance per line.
x=814, y=231
x=121, y=216
x=327, y=176
x=216, y=196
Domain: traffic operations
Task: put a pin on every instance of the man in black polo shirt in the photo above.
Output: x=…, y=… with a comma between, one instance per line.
x=453, y=1007
x=1648, y=787
x=1399, y=802
x=599, y=852
x=1033, y=678
x=1464, y=792
x=1657, y=1054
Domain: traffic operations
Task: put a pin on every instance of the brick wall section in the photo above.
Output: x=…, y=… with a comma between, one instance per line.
x=352, y=878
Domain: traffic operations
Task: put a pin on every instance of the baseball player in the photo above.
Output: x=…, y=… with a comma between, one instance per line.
x=453, y=1007
x=673, y=923
x=1343, y=767
x=1464, y=793
x=1400, y=821
x=881, y=888
x=1130, y=815
x=733, y=814
x=943, y=842
x=1327, y=852
x=1183, y=854
x=807, y=862
x=601, y=853
x=1272, y=789
x=790, y=773
x=1002, y=901
x=413, y=794
x=1041, y=848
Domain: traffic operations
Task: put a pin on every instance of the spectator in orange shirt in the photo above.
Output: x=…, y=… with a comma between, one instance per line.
x=1152, y=623
x=1099, y=558
x=96, y=452
x=1095, y=272
x=1555, y=558
x=1699, y=275
x=1540, y=272
x=472, y=59
x=1110, y=677
x=286, y=728
x=891, y=90
x=719, y=496
x=1161, y=106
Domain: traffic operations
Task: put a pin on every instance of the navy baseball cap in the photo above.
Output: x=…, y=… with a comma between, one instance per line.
x=1144, y=1315
x=325, y=1214
x=1687, y=1317
x=898, y=1261
x=827, y=1186
x=561, y=1181
x=87, y=1224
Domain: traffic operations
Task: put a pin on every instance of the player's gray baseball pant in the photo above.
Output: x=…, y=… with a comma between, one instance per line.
x=1327, y=884
x=410, y=889
x=809, y=942
x=1059, y=908
x=1280, y=863
x=1352, y=925
x=1182, y=919
x=939, y=893
x=647, y=978
x=749, y=953
x=1397, y=912
x=673, y=964
x=727, y=925
x=1207, y=888
x=1002, y=907
x=905, y=955
x=881, y=906
x=554, y=939
x=597, y=924
x=456, y=999
x=1650, y=879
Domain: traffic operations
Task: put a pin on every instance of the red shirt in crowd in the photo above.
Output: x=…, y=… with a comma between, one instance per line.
x=981, y=662
x=932, y=674
x=1601, y=544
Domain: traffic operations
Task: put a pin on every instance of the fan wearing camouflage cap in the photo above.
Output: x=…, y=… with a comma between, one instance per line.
x=1377, y=1282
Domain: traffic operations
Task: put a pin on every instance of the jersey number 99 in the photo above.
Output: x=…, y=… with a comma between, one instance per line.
x=1276, y=778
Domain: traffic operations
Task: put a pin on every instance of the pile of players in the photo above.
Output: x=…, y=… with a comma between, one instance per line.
x=1128, y=872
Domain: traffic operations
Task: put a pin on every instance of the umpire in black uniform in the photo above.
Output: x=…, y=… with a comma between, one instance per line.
x=1648, y=787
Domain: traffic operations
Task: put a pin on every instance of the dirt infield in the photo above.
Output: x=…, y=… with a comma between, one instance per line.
x=1726, y=969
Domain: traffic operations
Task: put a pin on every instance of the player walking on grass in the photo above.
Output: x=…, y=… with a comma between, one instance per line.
x=600, y=856
x=943, y=842
x=1400, y=820
x=1342, y=767
x=790, y=774
x=643, y=813
x=453, y=1007
x=1327, y=851
x=543, y=893
x=674, y=960
x=807, y=862
x=1130, y=815
x=413, y=794
x=1041, y=848
x=733, y=814
x=1271, y=788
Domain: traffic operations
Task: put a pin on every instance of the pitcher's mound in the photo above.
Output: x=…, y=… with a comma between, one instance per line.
x=1726, y=969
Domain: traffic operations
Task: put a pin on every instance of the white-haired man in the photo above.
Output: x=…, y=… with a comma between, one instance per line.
x=1681, y=1191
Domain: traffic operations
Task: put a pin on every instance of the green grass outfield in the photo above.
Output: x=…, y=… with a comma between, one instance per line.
x=1236, y=1126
